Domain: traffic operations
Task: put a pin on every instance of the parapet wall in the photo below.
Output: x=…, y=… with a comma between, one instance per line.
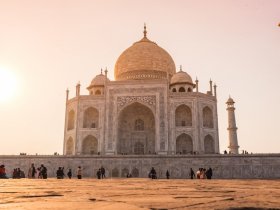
x=261, y=166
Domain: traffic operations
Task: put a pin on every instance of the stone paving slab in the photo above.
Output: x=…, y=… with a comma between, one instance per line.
x=28, y=194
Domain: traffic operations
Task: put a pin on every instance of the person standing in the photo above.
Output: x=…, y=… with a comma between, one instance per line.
x=69, y=174
x=167, y=174
x=102, y=172
x=79, y=172
x=32, y=171
x=44, y=172
x=192, y=173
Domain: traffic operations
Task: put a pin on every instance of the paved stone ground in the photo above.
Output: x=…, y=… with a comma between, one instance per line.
x=141, y=194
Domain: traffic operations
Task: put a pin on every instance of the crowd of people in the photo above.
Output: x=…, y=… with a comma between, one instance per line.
x=41, y=173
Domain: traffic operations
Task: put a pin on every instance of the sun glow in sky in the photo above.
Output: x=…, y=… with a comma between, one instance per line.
x=8, y=85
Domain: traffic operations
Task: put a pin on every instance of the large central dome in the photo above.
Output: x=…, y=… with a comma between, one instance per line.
x=144, y=60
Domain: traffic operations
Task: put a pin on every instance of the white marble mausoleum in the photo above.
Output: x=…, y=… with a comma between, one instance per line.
x=150, y=108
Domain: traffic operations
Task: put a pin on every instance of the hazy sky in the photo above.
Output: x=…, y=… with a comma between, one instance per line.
x=51, y=45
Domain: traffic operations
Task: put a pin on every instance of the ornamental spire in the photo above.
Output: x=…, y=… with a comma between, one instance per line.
x=145, y=31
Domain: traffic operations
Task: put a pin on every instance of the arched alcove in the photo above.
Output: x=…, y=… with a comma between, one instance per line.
x=115, y=172
x=209, y=145
x=184, y=144
x=135, y=172
x=207, y=117
x=136, y=130
x=97, y=92
x=183, y=116
x=91, y=118
x=71, y=120
x=69, y=146
x=90, y=145
x=182, y=89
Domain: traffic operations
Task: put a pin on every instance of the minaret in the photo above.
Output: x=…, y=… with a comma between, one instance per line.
x=232, y=134
x=211, y=87
x=196, y=84
x=78, y=89
x=67, y=94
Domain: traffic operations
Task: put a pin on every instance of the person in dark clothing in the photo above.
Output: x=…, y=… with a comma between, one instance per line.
x=192, y=173
x=44, y=172
x=209, y=173
x=102, y=172
x=60, y=173
x=3, y=172
x=98, y=174
x=69, y=174
x=153, y=173
x=167, y=174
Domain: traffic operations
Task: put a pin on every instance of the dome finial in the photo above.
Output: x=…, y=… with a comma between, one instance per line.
x=145, y=31
x=181, y=68
x=101, y=71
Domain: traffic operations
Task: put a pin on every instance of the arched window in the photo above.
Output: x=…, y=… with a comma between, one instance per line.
x=138, y=148
x=71, y=120
x=115, y=172
x=174, y=90
x=69, y=146
x=182, y=89
x=89, y=146
x=207, y=117
x=189, y=90
x=183, y=116
x=97, y=92
x=91, y=118
x=135, y=172
x=209, y=145
x=139, y=125
x=184, y=144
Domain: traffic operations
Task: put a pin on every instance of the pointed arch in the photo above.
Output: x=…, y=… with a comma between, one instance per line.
x=69, y=146
x=135, y=172
x=207, y=117
x=209, y=144
x=136, y=130
x=182, y=89
x=115, y=172
x=71, y=120
x=184, y=144
x=91, y=118
x=90, y=145
x=183, y=116
x=97, y=92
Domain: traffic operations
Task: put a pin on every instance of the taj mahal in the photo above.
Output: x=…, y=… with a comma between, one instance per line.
x=150, y=108
x=151, y=115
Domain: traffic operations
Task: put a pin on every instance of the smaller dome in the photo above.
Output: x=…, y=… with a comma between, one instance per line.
x=181, y=77
x=99, y=80
x=230, y=101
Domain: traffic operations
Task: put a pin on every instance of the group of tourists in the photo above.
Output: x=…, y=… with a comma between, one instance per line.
x=18, y=173
x=201, y=173
x=101, y=173
x=41, y=173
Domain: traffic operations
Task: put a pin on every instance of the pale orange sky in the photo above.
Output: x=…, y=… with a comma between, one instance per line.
x=51, y=45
